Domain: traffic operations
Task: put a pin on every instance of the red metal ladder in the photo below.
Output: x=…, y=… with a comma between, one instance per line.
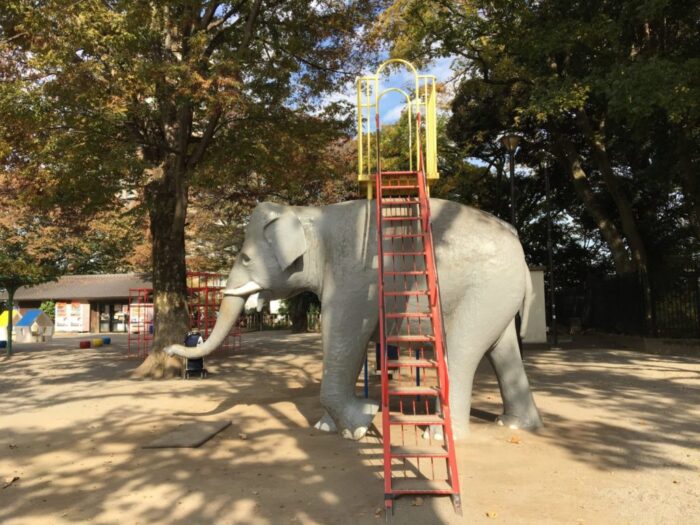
x=415, y=385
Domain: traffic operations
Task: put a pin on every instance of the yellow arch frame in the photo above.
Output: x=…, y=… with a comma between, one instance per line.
x=424, y=103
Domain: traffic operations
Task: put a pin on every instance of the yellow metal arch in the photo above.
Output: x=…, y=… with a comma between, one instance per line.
x=423, y=103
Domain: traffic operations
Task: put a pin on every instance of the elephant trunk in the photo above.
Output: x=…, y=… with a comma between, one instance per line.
x=231, y=308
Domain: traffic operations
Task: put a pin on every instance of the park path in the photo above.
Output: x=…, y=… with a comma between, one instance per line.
x=621, y=445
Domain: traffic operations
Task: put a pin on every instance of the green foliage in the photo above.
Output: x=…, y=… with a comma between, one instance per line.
x=135, y=107
x=614, y=82
x=49, y=308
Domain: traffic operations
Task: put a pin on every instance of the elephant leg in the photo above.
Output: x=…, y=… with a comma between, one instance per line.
x=470, y=331
x=519, y=410
x=463, y=359
x=347, y=325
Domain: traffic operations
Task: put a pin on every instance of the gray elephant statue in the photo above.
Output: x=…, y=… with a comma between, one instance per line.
x=332, y=251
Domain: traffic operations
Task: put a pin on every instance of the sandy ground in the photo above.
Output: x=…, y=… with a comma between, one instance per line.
x=622, y=443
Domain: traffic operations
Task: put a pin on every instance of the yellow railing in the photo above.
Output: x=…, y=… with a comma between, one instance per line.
x=422, y=100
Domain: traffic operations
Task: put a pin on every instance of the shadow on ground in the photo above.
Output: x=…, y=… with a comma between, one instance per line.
x=74, y=422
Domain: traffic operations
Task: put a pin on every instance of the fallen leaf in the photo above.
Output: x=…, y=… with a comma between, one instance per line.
x=242, y=435
x=378, y=513
x=491, y=514
x=417, y=502
x=256, y=492
x=12, y=445
x=515, y=440
x=7, y=484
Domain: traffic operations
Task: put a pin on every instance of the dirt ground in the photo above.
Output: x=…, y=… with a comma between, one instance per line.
x=621, y=443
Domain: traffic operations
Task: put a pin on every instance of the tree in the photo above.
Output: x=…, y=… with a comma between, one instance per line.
x=605, y=88
x=23, y=261
x=157, y=99
x=299, y=307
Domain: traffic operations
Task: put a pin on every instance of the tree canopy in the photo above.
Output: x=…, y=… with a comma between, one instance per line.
x=140, y=134
x=157, y=100
x=606, y=92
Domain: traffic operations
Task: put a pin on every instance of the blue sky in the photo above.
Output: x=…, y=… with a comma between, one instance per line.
x=393, y=103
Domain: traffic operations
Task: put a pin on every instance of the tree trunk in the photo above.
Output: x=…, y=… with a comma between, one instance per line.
x=624, y=209
x=298, y=312
x=166, y=196
x=690, y=180
x=608, y=230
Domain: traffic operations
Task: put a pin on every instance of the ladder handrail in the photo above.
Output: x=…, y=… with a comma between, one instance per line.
x=386, y=439
x=438, y=331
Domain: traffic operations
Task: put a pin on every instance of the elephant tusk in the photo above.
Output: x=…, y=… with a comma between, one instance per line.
x=248, y=288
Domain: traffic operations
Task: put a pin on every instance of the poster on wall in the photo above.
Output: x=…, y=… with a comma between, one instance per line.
x=72, y=317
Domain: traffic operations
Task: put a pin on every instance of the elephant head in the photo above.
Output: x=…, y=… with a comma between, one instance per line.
x=270, y=258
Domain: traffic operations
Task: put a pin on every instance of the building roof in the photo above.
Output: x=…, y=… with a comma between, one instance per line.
x=36, y=315
x=74, y=287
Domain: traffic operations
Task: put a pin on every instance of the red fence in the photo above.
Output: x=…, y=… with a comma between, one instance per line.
x=204, y=294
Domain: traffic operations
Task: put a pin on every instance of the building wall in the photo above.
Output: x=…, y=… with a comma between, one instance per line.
x=536, y=331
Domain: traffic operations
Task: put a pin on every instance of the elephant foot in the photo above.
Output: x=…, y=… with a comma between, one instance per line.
x=326, y=424
x=434, y=432
x=516, y=422
x=357, y=417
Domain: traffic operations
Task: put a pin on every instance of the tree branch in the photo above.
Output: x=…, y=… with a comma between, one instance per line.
x=206, y=139
x=208, y=15
x=248, y=33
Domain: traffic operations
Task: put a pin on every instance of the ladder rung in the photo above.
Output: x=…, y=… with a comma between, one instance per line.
x=394, y=202
x=412, y=390
x=418, y=419
x=407, y=315
x=401, y=218
x=415, y=452
x=399, y=173
x=404, y=254
x=410, y=339
x=406, y=294
x=400, y=187
x=405, y=236
x=411, y=363
x=417, y=272
x=420, y=486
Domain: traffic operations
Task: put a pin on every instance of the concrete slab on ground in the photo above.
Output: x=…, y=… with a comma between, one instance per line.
x=189, y=435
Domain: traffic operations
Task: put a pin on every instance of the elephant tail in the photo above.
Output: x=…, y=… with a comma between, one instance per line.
x=527, y=302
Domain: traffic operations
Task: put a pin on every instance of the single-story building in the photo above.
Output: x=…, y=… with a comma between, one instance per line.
x=100, y=303
x=85, y=303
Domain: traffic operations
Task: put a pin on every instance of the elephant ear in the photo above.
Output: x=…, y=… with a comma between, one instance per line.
x=286, y=237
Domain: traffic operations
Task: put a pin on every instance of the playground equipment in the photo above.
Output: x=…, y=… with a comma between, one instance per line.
x=415, y=386
x=333, y=251
x=421, y=140
x=5, y=320
x=34, y=327
x=204, y=294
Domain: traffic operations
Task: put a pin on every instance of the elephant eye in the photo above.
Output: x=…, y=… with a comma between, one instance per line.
x=244, y=258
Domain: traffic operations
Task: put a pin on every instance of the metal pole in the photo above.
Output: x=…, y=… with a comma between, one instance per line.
x=366, y=375
x=550, y=258
x=10, y=305
x=512, y=188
